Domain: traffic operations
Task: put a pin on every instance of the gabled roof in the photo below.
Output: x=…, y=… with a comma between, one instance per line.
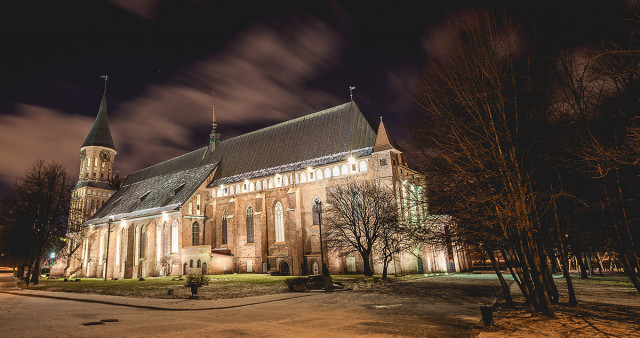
x=100, y=135
x=327, y=136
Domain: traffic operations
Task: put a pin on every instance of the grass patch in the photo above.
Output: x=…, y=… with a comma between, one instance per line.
x=220, y=286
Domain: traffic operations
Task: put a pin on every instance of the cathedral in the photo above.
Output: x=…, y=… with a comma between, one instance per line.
x=247, y=204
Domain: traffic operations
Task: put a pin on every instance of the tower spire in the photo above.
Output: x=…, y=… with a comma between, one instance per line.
x=100, y=134
x=351, y=88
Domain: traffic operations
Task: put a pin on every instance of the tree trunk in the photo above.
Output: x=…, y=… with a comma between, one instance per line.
x=35, y=274
x=536, y=274
x=587, y=257
x=385, y=265
x=503, y=283
x=367, y=264
x=527, y=286
x=582, y=265
x=548, y=277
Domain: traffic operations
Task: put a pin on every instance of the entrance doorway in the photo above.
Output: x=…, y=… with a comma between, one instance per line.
x=284, y=268
x=314, y=268
x=204, y=268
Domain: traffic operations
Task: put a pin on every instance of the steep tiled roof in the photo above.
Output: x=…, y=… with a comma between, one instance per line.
x=100, y=135
x=327, y=136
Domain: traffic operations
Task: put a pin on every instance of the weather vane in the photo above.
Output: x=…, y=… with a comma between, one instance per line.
x=106, y=78
x=213, y=102
x=351, y=88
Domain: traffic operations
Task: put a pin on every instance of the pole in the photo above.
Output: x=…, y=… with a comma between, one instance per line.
x=106, y=259
x=320, y=228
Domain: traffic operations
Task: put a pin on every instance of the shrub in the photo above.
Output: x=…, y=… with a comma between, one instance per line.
x=197, y=280
x=297, y=283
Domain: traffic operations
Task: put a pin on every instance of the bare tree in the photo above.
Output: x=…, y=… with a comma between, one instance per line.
x=358, y=215
x=37, y=214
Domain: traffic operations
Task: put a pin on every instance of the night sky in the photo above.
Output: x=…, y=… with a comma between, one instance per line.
x=266, y=61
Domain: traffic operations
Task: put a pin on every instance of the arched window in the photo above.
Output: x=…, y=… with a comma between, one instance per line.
x=297, y=178
x=165, y=246
x=316, y=210
x=363, y=165
x=195, y=234
x=190, y=208
x=224, y=227
x=238, y=189
x=286, y=180
x=278, y=181
x=319, y=174
x=264, y=184
x=258, y=185
x=92, y=204
x=279, y=222
x=143, y=240
x=336, y=171
x=191, y=263
x=174, y=236
x=344, y=169
x=199, y=264
x=198, y=205
x=271, y=183
x=220, y=192
x=327, y=173
x=231, y=190
x=303, y=177
x=249, y=224
x=252, y=187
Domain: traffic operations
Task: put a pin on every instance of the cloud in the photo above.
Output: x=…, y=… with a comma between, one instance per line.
x=264, y=75
x=40, y=133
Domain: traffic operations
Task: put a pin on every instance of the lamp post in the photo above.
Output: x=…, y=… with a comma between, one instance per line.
x=106, y=259
x=319, y=204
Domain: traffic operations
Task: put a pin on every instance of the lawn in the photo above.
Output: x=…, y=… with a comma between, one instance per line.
x=220, y=286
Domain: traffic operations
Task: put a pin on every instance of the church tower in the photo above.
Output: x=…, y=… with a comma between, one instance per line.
x=96, y=180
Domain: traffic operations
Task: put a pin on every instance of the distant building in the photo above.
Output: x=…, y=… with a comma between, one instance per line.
x=245, y=204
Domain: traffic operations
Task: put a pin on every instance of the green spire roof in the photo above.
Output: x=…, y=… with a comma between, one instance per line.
x=100, y=135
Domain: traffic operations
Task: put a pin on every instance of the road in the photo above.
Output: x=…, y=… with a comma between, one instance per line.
x=348, y=313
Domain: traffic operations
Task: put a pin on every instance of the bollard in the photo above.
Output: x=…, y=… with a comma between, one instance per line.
x=487, y=314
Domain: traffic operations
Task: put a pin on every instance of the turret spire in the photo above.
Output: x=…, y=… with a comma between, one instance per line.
x=214, y=137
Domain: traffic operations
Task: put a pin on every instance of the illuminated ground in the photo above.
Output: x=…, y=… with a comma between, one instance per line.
x=435, y=306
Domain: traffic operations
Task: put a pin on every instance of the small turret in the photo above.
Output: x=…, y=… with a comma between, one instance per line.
x=214, y=137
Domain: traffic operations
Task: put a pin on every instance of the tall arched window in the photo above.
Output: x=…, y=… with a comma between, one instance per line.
x=174, y=236
x=327, y=173
x=319, y=174
x=336, y=171
x=195, y=234
x=344, y=169
x=143, y=240
x=316, y=209
x=279, y=222
x=224, y=227
x=250, y=225
x=303, y=177
x=286, y=180
x=258, y=185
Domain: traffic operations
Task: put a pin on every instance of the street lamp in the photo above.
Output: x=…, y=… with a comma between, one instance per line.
x=319, y=210
x=106, y=259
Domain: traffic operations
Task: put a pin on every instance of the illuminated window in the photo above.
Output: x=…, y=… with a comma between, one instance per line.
x=143, y=240
x=286, y=180
x=303, y=177
x=344, y=169
x=258, y=185
x=363, y=166
x=336, y=171
x=319, y=174
x=250, y=234
x=279, y=213
x=271, y=183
